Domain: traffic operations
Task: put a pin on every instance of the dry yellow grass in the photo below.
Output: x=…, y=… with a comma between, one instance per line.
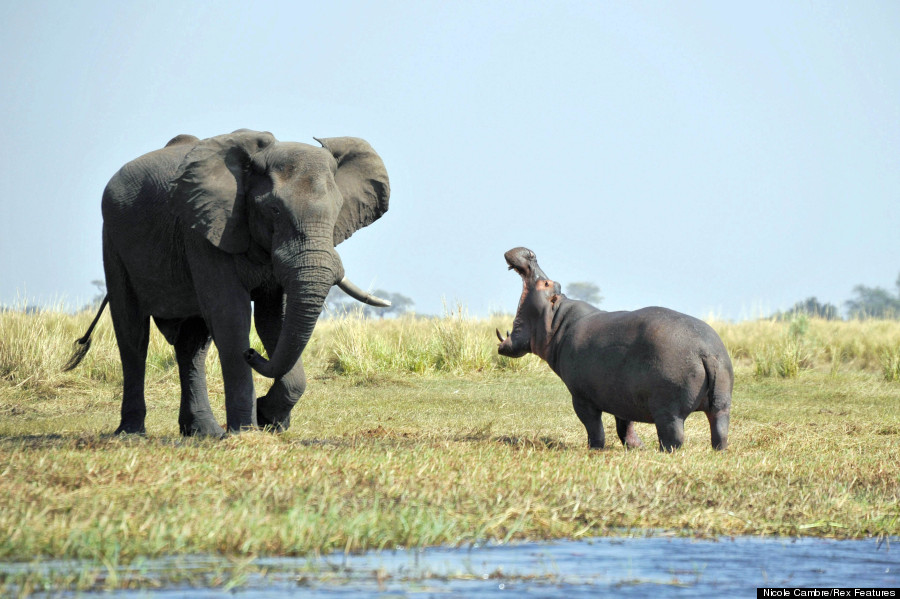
x=413, y=432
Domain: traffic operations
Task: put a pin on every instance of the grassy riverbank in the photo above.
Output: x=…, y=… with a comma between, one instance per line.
x=413, y=432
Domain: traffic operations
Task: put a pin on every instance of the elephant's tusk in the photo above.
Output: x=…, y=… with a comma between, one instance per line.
x=358, y=294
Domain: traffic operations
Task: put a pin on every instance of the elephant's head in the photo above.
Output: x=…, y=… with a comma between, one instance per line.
x=287, y=204
x=534, y=315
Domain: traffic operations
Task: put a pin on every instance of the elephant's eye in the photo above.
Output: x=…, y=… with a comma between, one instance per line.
x=274, y=211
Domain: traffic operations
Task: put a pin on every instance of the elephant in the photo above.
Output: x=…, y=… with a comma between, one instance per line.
x=198, y=231
x=649, y=365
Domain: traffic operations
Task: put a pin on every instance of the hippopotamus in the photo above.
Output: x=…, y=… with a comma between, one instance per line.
x=649, y=365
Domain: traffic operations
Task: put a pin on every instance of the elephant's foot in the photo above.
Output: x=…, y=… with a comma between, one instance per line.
x=203, y=427
x=274, y=420
x=596, y=443
x=131, y=429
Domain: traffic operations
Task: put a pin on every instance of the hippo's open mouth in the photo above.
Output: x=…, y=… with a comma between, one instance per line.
x=523, y=261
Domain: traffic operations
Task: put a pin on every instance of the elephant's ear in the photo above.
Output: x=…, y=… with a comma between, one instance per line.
x=363, y=182
x=208, y=192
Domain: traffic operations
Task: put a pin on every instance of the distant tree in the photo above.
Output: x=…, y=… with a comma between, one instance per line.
x=100, y=284
x=811, y=307
x=400, y=304
x=26, y=309
x=338, y=303
x=584, y=291
x=874, y=302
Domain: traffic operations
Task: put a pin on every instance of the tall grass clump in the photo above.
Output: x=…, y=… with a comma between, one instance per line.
x=860, y=343
x=788, y=355
x=890, y=364
x=355, y=344
x=786, y=358
x=457, y=345
x=773, y=347
x=35, y=346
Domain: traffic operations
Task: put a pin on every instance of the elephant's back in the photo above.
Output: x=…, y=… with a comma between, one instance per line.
x=142, y=235
x=142, y=185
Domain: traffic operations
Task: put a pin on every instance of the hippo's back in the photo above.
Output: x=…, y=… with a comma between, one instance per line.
x=652, y=328
x=624, y=359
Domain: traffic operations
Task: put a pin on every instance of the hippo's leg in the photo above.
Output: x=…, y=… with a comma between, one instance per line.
x=670, y=429
x=718, y=428
x=590, y=417
x=625, y=430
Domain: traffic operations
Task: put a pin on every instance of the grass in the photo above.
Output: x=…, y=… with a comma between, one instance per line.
x=414, y=433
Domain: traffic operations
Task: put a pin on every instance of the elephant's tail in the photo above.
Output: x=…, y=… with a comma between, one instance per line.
x=83, y=344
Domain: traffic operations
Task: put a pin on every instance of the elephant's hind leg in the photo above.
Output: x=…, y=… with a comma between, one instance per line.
x=195, y=416
x=132, y=330
x=625, y=430
x=132, y=338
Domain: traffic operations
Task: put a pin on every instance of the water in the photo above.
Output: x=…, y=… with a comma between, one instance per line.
x=630, y=567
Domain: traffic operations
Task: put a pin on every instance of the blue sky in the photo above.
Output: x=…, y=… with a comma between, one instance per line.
x=713, y=157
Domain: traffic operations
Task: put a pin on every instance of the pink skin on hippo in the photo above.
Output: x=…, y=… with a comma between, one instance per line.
x=650, y=365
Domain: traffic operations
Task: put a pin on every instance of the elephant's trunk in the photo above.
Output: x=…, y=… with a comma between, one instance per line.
x=305, y=297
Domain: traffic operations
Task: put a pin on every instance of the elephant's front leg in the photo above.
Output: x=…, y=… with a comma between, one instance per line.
x=231, y=335
x=273, y=410
x=590, y=417
x=225, y=305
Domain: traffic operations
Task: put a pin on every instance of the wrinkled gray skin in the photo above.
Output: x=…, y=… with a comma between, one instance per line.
x=650, y=365
x=196, y=232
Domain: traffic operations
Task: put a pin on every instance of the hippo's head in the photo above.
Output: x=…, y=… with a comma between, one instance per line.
x=534, y=315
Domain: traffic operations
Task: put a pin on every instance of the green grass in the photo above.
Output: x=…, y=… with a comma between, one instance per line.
x=414, y=432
